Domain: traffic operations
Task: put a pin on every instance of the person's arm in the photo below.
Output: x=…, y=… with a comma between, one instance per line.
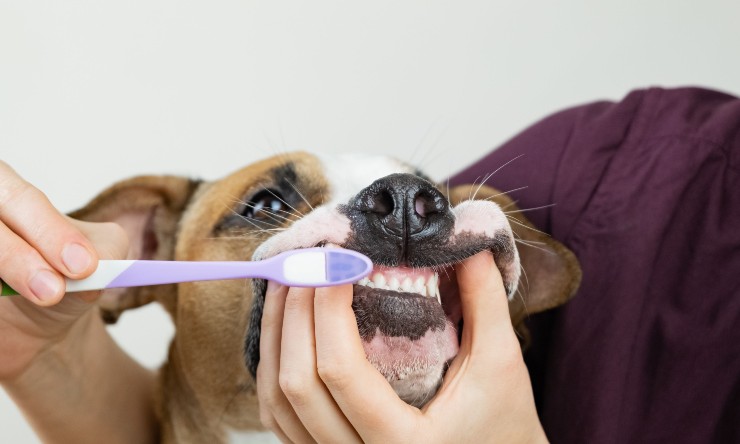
x=84, y=387
x=57, y=360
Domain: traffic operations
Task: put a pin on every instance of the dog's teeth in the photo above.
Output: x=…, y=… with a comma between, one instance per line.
x=439, y=297
x=431, y=289
x=426, y=287
x=379, y=281
x=407, y=285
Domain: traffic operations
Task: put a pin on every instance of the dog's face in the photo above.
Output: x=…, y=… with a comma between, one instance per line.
x=408, y=310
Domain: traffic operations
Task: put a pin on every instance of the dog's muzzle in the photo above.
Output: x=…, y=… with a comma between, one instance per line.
x=408, y=310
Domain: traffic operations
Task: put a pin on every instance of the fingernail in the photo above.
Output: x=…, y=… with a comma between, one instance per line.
x=76, y=258
x=45, y=285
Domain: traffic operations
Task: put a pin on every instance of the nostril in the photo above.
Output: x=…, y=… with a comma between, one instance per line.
x=382, y=203
x=426, y=204
x=420, y=206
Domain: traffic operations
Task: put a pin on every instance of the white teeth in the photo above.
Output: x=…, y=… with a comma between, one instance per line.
x=432, y=287
x=406, y=285
x=379, y=280
x=426, y=288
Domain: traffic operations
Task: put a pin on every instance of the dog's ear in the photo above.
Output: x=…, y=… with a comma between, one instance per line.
x=551, y=273
x=149, y=209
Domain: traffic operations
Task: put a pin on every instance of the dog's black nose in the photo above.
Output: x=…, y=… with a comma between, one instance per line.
x=404, y=211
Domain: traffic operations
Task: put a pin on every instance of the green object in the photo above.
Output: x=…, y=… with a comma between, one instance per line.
x=6, y=290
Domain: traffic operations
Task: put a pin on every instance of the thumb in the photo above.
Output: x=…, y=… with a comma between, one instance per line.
x=109, y=239
x=110, y=242
x=484, y=303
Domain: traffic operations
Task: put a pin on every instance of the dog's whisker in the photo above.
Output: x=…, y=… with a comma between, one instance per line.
x=272, y=145
x=261, y=228
x=504, y=165
x=470, y=191
x=514, y=220
x=483, y=182
x=255, y=224
x=534, y=246
x=513, y=202
x=300, y=194
x=505, y=192
x=241, y=216
x=530, y=209
x=283, y=201
x=271, y=214
x=430, y=155
x=418, y=146
x=529, y=242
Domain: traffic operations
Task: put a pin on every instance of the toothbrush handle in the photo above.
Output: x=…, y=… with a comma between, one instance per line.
x=106, y=272
x=135, y=273
x=170, y=272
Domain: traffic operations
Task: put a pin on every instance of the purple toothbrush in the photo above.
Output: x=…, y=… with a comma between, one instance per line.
x=308, y=267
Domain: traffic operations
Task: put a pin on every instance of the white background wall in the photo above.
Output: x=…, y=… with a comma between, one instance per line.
x=95, y=91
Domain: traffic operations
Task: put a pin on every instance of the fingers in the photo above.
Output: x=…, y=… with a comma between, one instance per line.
x=28, y=218
x=484, y=302
x=362, y=393
x=276, y=413
x=299, y=379
x=108, y=239
x=25, y=270
x=110, y=242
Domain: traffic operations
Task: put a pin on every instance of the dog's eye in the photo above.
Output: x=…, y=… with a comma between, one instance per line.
x=263, y=203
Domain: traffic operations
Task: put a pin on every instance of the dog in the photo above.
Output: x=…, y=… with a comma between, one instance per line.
x=408, y=310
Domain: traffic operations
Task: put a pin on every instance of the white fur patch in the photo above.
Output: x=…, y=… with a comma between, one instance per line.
x=324, y=224
x=480, y=217
x=348, y=174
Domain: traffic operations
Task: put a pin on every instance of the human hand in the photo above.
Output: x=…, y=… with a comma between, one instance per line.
x=315, y=384
x=41, y=246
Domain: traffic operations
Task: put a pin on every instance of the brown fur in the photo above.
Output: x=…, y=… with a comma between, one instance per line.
x=204, y=384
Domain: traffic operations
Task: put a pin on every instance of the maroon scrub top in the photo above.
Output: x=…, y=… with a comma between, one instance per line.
x=647, y=195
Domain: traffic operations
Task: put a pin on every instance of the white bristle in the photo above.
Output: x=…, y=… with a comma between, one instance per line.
x=306, y=268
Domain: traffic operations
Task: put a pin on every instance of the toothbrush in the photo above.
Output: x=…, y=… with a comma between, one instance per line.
x=308, y=267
